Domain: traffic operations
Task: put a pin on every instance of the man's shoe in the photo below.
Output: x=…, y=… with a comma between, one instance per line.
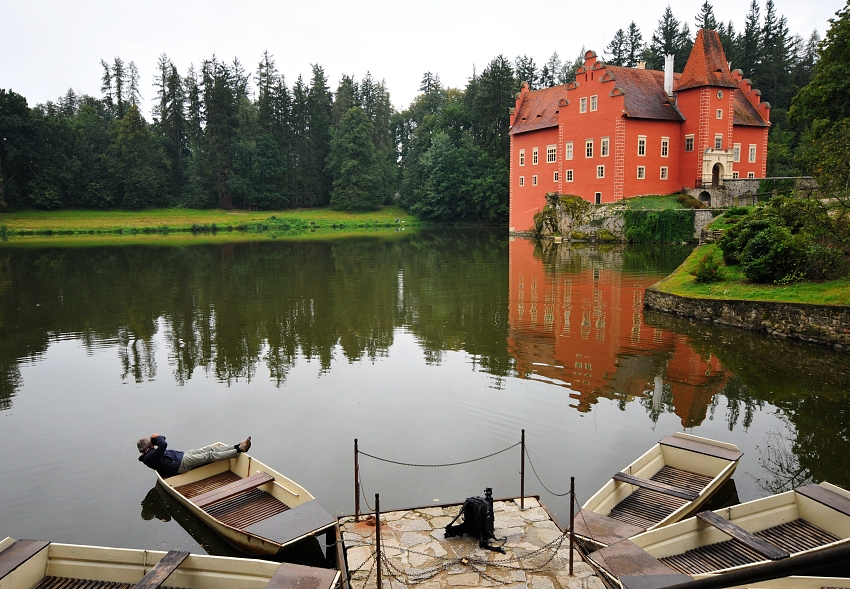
x=244, y=445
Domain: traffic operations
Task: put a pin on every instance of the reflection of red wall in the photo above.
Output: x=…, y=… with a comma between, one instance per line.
x=582, y=327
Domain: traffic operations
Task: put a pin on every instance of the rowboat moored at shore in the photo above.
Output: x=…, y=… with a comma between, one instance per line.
x=253, y=507
x=33, y=564
x=668, y=483
x=800, y=522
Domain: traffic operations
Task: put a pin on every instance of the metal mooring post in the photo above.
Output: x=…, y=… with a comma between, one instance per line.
x=572, y=518
x=356, y=483
x=378, y=536
x=522, y=474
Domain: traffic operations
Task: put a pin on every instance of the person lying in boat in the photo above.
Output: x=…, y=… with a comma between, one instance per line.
x=156, y=455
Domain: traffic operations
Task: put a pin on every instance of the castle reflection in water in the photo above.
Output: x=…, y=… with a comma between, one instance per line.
x=576, y=320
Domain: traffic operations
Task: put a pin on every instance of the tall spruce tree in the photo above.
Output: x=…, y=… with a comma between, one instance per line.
x=319, y=122
x=352, y=164
x=705, y=19
x=634, y=47
x=669, y=38
x=615, y=52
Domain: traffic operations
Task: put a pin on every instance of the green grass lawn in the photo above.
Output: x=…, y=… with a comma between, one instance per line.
x=654, y=202
x=736, y=287
x=76, y=222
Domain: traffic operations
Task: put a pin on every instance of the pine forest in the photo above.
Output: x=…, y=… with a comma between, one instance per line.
x=222, y=135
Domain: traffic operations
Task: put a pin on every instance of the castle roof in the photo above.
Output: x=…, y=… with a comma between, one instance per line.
x=707, y=65
x=745, y=113
x=645, y=97
x=539, y=110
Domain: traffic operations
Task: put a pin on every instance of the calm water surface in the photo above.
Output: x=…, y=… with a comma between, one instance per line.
x=430, y=348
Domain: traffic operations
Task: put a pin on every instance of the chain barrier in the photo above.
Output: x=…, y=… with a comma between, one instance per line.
x=476, y=564
x=534, y=470
x=363, y=492
x=361, y=452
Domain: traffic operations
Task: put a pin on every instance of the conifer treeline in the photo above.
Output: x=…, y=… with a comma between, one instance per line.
x=222, y=136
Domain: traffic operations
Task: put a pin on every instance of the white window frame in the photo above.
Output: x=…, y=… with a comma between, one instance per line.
x=604, y=146
x=594, y=103
x=600, y=171
x=736, y=152
x=588, y=149
x=718, y=141
x=582, y=104
x=735, y=175
x=568, y=150
x=641, y=172
x=521, y=157
x=641, y=146
x=534, y=156
x=522, y=180
x=664, y=173
x=555, y=176
x=689, y=142
x=665, y=147
x=551, y=154
x=719, y=113
x=568, y=175
x=534, y=180
x=751, y=174
x=752, y=154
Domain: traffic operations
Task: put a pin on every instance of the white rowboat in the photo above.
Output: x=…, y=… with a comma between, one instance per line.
x=668, y=483
x=31, y=564
x=253, y=507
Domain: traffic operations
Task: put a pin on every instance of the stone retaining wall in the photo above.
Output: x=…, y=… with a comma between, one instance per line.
x=821, y=324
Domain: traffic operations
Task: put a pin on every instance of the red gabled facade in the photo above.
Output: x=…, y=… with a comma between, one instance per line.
x=618, y=132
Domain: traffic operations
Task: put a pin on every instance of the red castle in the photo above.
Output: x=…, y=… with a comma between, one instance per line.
x=618, y=132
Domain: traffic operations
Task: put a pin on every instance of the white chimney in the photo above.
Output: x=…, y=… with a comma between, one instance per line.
x=668, y=74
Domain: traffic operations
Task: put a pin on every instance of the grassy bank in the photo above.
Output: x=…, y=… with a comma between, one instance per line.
x=735, y=286
x=29, y=224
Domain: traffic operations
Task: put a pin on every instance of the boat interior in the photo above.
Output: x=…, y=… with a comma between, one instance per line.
x=772, y=528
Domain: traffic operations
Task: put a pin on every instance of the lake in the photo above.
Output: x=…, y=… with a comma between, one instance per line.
x=435, y=347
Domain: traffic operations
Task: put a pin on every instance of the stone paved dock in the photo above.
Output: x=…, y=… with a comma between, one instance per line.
x=418, y=555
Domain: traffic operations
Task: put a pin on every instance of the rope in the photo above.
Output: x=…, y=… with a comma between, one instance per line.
x=534, y=470
x=439, y=465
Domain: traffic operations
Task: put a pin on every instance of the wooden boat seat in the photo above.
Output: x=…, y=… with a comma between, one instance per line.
x=230, y=490
x=301, y=520
x=626, y=558
x=289, y=576
x=826, y=497
x=763, y=547
x=159, y=573
x=702, y=448
x=794, y=536
x=602, y=529
x=18, y=553
x=685, y=494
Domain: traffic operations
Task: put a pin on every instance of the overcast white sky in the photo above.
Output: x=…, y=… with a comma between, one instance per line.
x=48, y=46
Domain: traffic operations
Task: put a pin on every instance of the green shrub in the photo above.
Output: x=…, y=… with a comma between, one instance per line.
x=709, y=268
x=823, y=263
x=4, y=233
x=737, y=211
x=689, y=201
x=771, y=254
x=605, y=235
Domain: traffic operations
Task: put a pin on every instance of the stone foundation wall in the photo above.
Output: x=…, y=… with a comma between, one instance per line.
x=821, y=324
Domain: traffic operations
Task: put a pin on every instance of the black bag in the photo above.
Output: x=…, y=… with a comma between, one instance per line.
x=478, y=521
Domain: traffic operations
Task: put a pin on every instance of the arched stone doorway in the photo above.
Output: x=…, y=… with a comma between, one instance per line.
x=717, y=174
x=705, y=197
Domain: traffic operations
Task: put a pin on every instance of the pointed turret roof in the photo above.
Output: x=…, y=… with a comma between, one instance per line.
x=707, y=65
